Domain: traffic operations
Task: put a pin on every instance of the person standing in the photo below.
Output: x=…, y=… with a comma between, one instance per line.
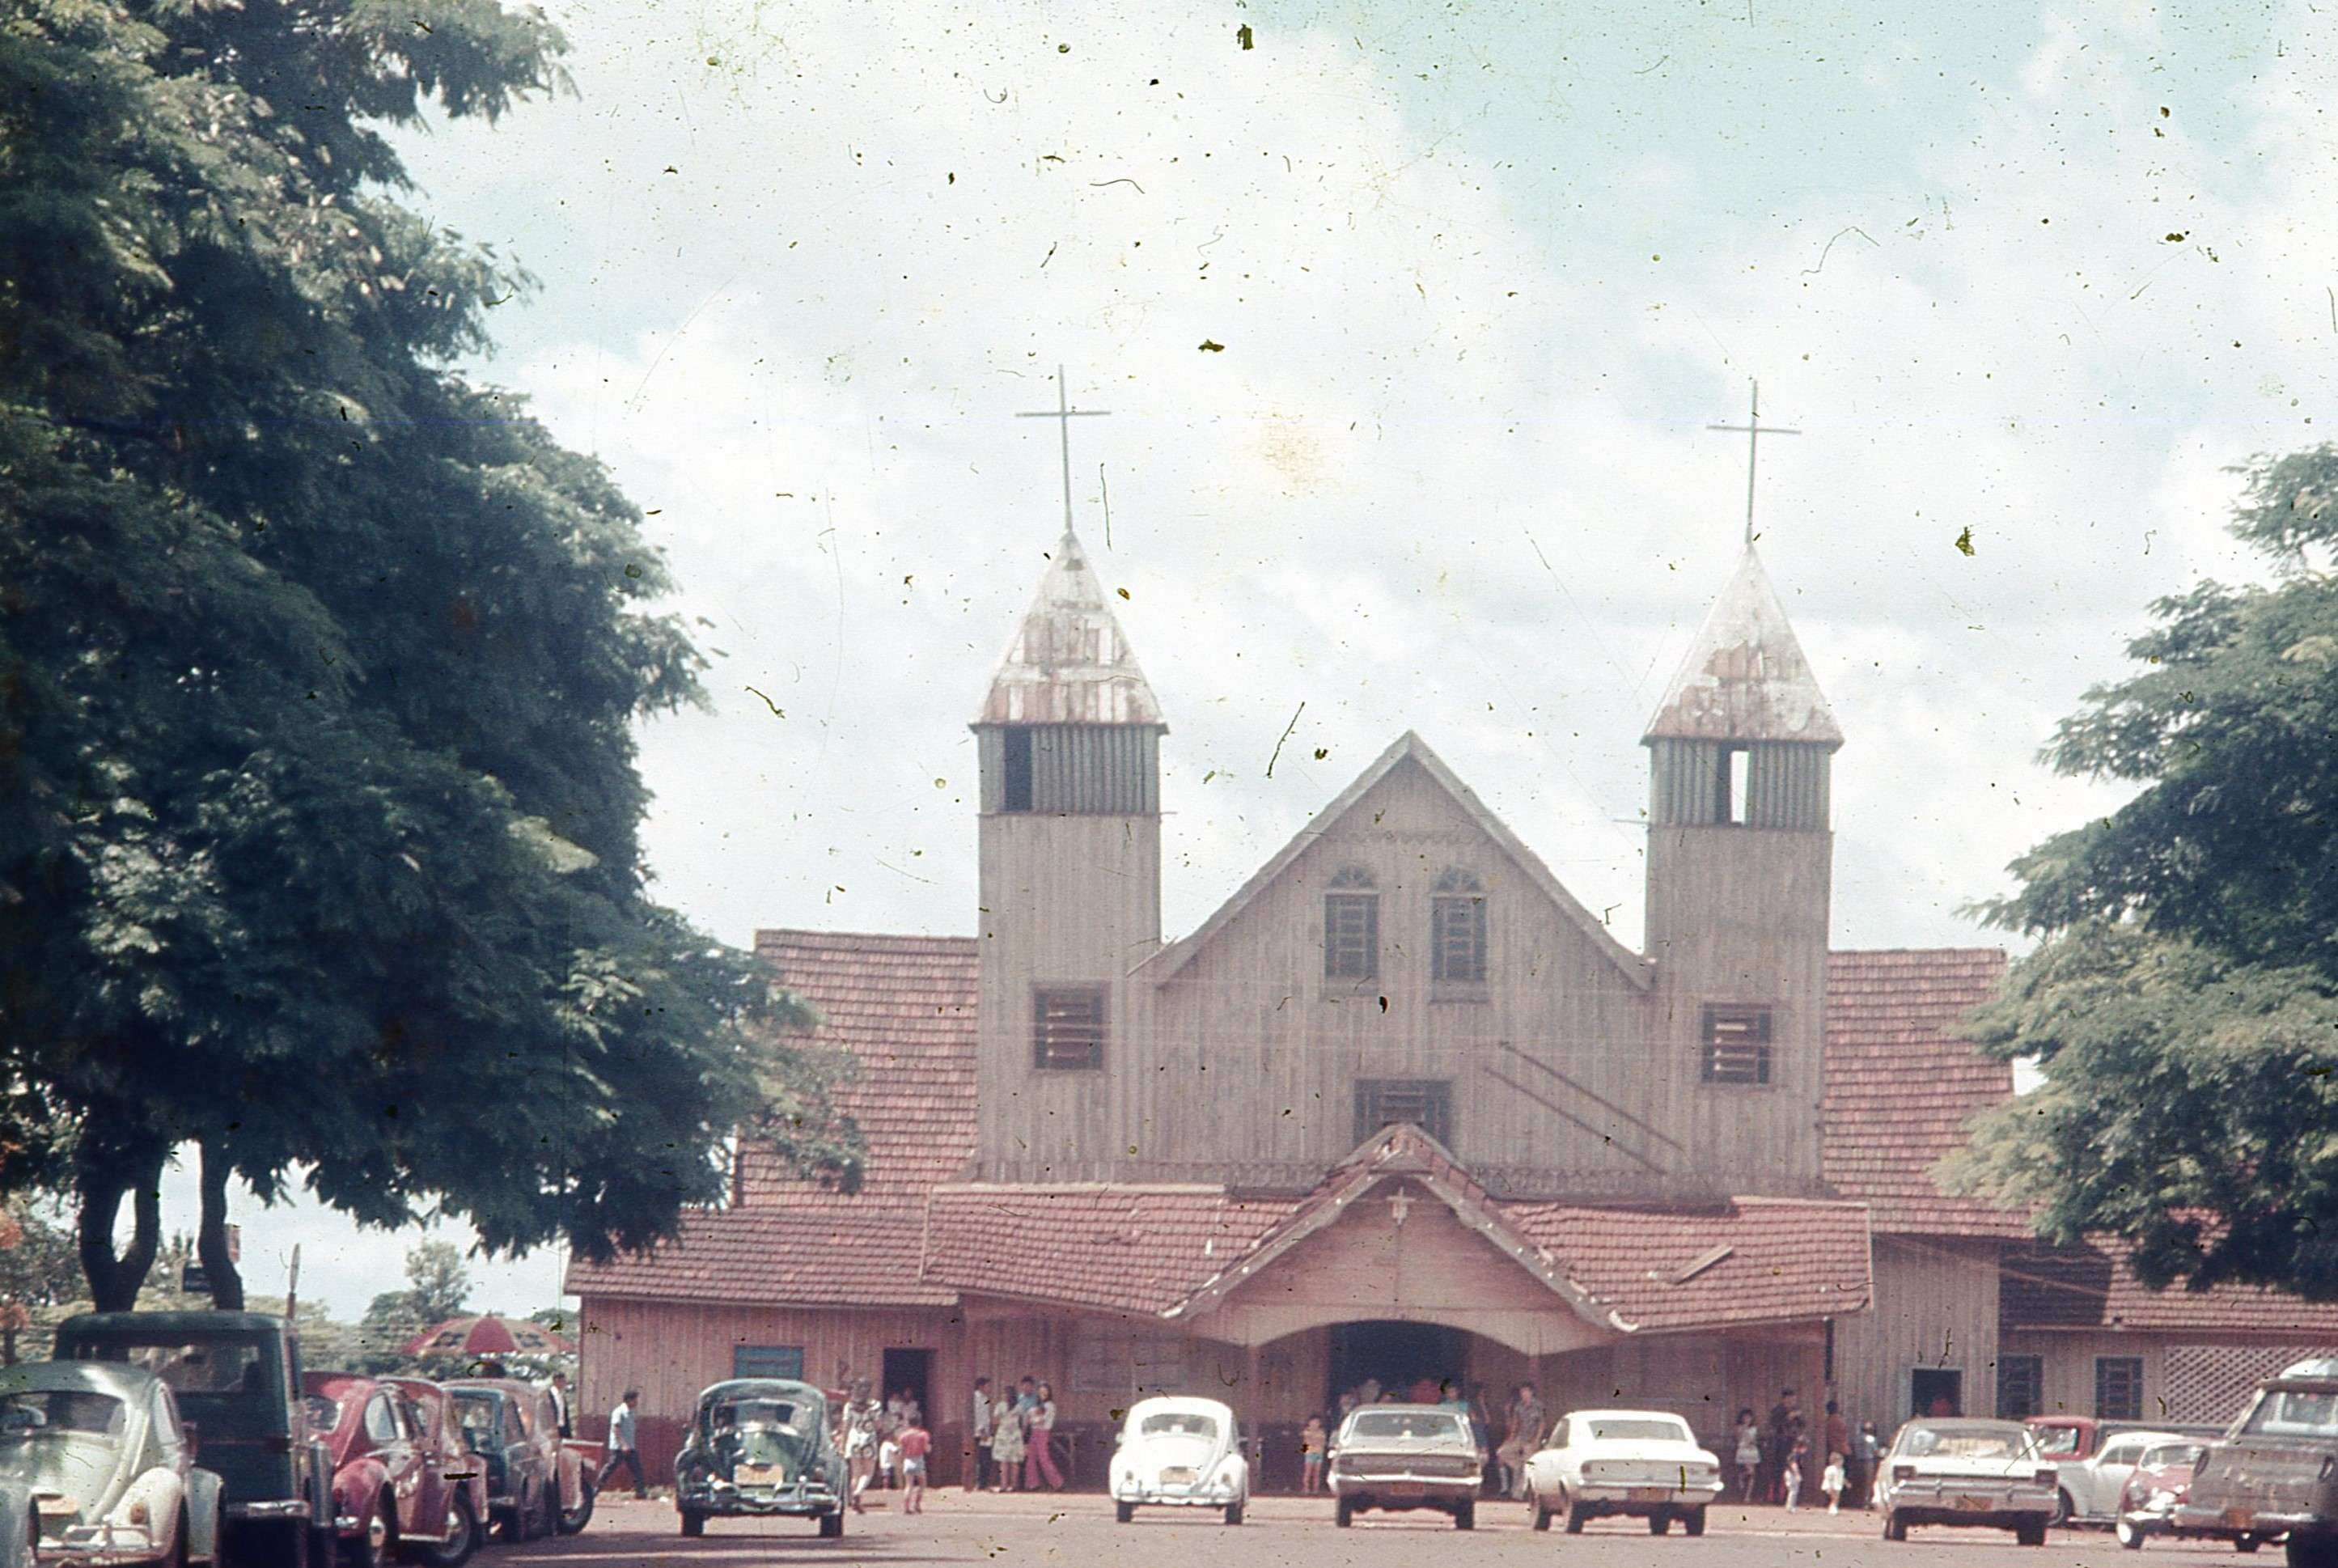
x=857, y=1433
x=1832, y=1483
x=1834, y=1433
x=625, y=1446
x=916, y=1443
x=1797, y=1458
x=1041, y=1464
x=1006, y=1442
x=978, y=1469
x=1310, y=1456
x=1866, y=1454
x=557, y=1386
x=1747, y=1453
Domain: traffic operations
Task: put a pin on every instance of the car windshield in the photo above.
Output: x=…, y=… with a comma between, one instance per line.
x=2287, y=1413
x=2056, y=1440
x=1414, y=1424
x=1956, y=1443
x=2167, y=1456
x=1639, y=1431
x=763, y=1413
x=1178, y=1424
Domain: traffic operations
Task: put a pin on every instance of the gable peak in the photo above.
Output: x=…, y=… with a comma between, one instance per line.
x=1746, y=678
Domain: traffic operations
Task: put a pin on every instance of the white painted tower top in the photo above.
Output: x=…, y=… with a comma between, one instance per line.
x=1746, y=678
x=1068, y=662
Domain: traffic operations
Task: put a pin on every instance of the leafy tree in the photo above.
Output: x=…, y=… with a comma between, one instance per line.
x=39, y=1267
x=2183, y=1000
x=318, y=665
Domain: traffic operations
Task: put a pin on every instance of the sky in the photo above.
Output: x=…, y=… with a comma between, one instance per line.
x=1410, y=320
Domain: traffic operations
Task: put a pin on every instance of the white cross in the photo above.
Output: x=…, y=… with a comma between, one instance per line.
x=1754, y=430
x=1064, y=411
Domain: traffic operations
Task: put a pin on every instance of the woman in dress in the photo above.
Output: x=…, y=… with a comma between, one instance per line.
x=857, y=1435
x=1006, y=1444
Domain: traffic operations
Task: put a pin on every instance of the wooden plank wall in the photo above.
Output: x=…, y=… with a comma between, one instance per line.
x=1935, y=1305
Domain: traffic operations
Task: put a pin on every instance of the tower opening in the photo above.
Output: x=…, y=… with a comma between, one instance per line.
x=1734, y=770
x=1016, y=779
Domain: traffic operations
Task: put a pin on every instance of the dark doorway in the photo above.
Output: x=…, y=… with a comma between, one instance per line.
x=1936, y=1391
x=1397, y=1355
x=910, y=1372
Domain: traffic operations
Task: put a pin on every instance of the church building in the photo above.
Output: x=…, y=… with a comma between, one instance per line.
x=1402, y=1107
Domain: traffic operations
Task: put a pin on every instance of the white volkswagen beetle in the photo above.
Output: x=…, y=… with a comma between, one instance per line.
x=1643, y=1463
x=1179, y=1452
x=111, y=1466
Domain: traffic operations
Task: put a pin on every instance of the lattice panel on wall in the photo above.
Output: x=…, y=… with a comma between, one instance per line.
x=2212, y=1382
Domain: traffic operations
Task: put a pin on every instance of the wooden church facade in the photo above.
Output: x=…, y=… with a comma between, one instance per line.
x=1402, y=1107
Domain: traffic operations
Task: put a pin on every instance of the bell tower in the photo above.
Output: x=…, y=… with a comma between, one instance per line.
x=1739, y=884
x=1070, y=846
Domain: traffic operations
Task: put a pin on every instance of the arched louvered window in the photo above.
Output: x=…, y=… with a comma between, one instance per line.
x=1351, y=927
x=1456, y=929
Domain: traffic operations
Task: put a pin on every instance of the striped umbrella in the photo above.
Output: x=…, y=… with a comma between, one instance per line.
x=487, y=1336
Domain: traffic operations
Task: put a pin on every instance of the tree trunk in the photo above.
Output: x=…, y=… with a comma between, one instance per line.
x=107, y=1176
x=211, y=1237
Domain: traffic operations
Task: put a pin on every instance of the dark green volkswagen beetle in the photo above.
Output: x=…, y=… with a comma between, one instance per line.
x=760, y=1447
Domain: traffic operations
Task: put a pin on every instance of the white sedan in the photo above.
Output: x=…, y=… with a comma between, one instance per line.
x=1644, y=1464
x=1179, y=1452
x=1967, y=1472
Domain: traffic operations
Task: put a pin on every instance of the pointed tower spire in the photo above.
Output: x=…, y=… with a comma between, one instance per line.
x=1068, y=662
x=1746, y=678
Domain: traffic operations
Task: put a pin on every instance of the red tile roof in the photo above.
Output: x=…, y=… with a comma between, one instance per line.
x=1900, y=1087
x=2091, y=1288
x=1119, y=1249
x=1785, y=1260
x=904, y=1007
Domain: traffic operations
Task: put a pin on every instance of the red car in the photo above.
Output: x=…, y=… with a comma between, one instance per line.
x=2157, y=1487
x=466, y=1479
x=390, y=1493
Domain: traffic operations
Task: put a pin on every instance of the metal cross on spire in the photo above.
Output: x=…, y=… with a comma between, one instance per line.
x=1064, y=411
x=1753, y=429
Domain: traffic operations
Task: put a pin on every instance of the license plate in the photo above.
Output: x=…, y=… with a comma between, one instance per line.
x=1974, y=1504
x=1649, y=1493
x=1403, y=1489
x=2240, y=1518
x=757, y=1475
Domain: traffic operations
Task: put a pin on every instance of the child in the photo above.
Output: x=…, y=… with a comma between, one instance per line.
x=1310, y=1456
x=1833, y=1483
x=915, y=1442
x=1798, y=1457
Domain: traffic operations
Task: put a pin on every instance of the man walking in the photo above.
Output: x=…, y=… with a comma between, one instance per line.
x=624, y=1445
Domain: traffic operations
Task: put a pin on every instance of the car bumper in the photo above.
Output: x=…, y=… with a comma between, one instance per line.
x=1402, y=1491
x=1989, y=1511
x=1201, y=1496
x=1641, y=1501
x=795, y=1501
x=267, y=1509
x=2232, y=1524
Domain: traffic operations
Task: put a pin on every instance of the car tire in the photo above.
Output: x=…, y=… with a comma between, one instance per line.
x=1465, y=1515
x=1895, y=1525
x=694, y=1523
x=2064, y=1509
x=462, y=1535
x=1343, y=1514
x=178, y=1554
x=1541, y=1514
x=1576, y=1517
x=1693, y=1521
x=2247, y=1543
x=1124, y=1513
x=371, y=1549
x=1233, y=1512
x=572, y=1521
x=831, y=1525
x=1660, y=1524
x=2030, y=1535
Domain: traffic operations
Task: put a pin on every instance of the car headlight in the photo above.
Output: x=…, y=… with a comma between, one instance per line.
x=2162, y=1500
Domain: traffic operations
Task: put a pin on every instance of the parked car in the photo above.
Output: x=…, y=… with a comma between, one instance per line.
x=539, y=1483
x=1642, y=1463
x=2088, y=1489
x=760, y=1447
x=2276, y=1474
x=109, y=1465
x=2072, y=1443
x=235, y=1376
x=1949, y=1471
x=2158, y=1483
x=1179, y=1452
x=389, y=1494
x=1399, y=1457
x=441, y=1437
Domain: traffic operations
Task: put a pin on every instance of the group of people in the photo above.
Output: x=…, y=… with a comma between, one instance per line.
x=885, y=1444
x=1013, y=1432
x=1521, y=1426
x=1772, y=1461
